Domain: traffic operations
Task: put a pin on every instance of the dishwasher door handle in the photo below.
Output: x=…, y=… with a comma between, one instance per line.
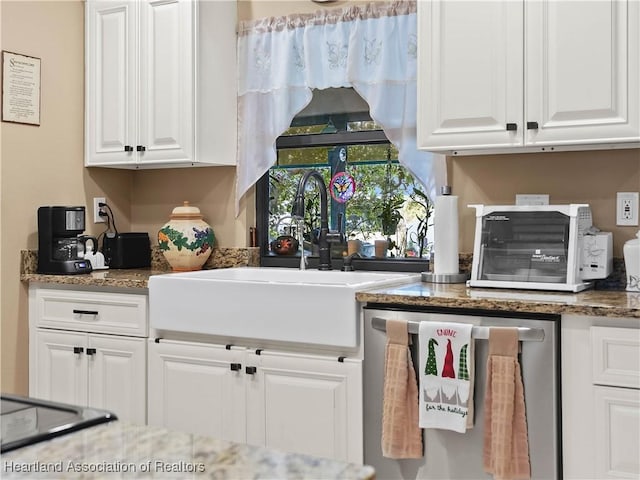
x=525, y=334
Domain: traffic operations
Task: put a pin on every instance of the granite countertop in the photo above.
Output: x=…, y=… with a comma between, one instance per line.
x=127, y=278
x=123, y=450
x=602, y=303
x=133, y=278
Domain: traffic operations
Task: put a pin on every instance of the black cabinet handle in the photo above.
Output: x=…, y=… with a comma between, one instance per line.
x=91, y=351
x=128, y=148
x=141, y=148
x=250, y=370
x=85, y=312
x=512, y=127
x=532, y=125
x=235, y=366
x=78, y=349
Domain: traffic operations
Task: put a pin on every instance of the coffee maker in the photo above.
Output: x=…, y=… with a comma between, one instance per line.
x=61, y=245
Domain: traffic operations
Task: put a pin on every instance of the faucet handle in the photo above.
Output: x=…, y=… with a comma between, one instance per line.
x=346, y=261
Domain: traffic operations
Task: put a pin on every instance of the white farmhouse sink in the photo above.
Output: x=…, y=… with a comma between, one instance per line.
x=280, y=304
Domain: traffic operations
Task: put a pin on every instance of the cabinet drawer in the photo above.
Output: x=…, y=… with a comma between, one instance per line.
x=100, y=312
x=616, y=356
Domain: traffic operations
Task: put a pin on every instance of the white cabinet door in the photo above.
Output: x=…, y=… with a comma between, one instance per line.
x=60, y=367
x=197, y=388
x=117, y=373
x=306, y=404
x=517, y=76
x=166, y=80
x=160, y=83
x=617, y=433
x=470, y=74
x=582, y=64
x=111, y=88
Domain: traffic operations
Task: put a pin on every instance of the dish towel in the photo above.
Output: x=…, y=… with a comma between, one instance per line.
x=446, y=382
x=401, y=436
x=506, y=444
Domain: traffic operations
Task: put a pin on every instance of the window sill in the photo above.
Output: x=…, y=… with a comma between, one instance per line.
x=363, y=264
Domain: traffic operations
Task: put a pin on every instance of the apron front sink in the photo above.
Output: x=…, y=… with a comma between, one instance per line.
x=279, y=304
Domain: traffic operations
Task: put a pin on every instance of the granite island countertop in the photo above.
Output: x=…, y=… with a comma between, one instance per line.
x=602, y=303
x=123, y=450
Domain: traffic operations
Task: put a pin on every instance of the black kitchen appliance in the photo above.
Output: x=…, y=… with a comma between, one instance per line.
x=61, y=243
x=127, y=250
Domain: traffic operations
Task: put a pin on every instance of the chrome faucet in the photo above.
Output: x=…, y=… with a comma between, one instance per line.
x=326, y=236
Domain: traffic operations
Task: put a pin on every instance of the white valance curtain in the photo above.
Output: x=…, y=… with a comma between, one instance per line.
x=371, y=48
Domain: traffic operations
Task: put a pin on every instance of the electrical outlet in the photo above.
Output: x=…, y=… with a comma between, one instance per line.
x=97, y=209
x=627, y=208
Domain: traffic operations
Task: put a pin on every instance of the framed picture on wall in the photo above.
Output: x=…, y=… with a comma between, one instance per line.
x=20, y=88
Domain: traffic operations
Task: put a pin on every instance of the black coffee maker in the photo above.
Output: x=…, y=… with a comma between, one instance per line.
x=61, y=245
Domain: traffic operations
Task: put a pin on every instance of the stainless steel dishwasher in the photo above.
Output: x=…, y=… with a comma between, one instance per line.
x=451, y=455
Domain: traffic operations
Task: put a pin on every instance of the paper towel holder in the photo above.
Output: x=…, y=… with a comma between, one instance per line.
x=431, y=277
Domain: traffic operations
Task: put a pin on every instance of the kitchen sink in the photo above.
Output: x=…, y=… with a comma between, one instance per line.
x=278, y=304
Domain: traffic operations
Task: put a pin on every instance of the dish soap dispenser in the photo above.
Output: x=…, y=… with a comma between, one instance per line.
x=632, y=263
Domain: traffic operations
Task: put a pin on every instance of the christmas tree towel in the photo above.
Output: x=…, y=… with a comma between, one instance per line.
x=445, y=386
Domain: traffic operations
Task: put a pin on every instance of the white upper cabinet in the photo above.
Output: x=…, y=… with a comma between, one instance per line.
x=515, y=76
x=160, y=83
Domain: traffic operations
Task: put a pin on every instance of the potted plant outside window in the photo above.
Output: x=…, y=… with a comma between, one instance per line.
x=389, y=214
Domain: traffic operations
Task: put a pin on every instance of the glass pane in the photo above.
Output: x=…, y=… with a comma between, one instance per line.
x=387, y=204
x=525, y=246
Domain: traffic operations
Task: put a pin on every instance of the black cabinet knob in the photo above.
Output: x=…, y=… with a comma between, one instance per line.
x=141, y=148
x=91, y=351
x=250, y=370
x=235, y=366
x=78, y=349
x=128, y=148
x=512, y=127
x=532, y=125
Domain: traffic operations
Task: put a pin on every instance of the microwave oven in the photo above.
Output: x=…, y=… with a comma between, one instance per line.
x=530, y=246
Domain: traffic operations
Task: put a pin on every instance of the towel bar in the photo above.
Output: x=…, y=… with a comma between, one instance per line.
x=525, y=334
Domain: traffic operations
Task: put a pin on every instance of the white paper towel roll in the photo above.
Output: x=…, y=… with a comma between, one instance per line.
x=445, y=235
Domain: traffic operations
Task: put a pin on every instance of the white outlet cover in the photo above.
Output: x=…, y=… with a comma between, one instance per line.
x=627, y=204
x=97, y=218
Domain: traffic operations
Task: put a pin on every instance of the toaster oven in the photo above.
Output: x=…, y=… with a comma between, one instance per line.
x=530, y=246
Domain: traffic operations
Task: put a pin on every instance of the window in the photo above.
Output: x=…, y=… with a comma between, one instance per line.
x=373, y=201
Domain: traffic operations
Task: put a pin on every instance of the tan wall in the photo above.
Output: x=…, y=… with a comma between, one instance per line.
x=44, y=166
x=572, y=177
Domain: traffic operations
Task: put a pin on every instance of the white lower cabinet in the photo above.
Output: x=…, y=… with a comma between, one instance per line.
x=617, y=432
x=301, y=403
x=193, y=388
x=600, y=398
x=73, y=364
x=101, y=371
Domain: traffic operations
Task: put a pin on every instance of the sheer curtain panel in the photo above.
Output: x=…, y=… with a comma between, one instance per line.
x=371, y=48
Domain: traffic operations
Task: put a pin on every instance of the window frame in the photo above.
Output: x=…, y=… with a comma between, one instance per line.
x=366, y=137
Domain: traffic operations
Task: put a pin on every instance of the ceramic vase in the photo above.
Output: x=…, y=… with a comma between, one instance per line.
x=186, y=239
